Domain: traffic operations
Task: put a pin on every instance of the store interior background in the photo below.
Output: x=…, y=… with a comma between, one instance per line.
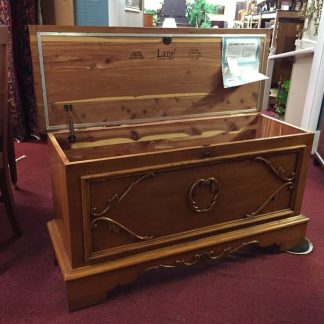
x=32, y=279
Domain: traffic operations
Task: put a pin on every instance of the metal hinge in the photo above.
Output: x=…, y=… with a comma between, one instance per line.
x=68, y=109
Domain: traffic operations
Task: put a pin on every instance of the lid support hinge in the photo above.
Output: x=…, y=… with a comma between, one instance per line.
x=70, y=122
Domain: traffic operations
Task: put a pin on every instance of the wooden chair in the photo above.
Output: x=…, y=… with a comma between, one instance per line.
x=8, y=172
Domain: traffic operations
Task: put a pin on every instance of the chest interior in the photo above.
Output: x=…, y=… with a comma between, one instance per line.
x=145, y=91
x=170, y=135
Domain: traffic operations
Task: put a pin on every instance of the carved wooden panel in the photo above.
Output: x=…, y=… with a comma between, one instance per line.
x=124, y=212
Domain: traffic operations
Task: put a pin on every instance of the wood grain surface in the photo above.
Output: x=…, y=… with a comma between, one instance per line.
x=136, y=139
x=180, y=177
x=115, y=80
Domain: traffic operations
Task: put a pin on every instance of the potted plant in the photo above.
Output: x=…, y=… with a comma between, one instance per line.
x=283, y=89
x=149, y=17
x=198, y=10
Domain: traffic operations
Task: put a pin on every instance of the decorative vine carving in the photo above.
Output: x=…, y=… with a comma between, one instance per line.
x=280, y=173
x=200, y=256
x=115, y=227
x=116, y=198
x=290, y=185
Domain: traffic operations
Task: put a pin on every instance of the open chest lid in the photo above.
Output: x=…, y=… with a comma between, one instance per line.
x=100, y=76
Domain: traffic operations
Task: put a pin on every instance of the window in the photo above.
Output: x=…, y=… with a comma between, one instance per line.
x=133, y=4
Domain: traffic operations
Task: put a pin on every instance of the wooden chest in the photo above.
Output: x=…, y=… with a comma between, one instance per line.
x=161, y=166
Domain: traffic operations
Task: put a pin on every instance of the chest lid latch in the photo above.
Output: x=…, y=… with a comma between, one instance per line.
x=70, y=122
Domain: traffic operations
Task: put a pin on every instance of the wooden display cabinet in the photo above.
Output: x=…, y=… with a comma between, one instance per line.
x=162, y=166
x=288, y=24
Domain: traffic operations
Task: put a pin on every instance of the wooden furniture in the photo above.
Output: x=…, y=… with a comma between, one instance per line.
x=287, y=26
x=167, y=168
x=58, y=12
x=7, y=154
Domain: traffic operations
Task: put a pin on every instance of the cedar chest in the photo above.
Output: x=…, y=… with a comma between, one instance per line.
x=154, y=164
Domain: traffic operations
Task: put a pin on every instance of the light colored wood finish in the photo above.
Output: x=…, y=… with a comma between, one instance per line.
x=58, y=12
x=88, y=285
x=158, y=192
x=126, y=140
x=189, y=155
x=126, y=80
x=269, y=126
x=98, y=179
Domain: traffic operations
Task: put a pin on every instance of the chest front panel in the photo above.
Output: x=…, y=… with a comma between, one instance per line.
x=135, y=210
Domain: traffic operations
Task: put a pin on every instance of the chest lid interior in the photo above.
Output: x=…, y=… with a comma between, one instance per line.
x=113, y=76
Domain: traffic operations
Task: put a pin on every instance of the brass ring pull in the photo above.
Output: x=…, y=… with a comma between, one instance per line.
x=214, y=189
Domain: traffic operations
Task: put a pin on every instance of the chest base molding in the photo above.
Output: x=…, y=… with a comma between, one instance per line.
x=89, y=285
